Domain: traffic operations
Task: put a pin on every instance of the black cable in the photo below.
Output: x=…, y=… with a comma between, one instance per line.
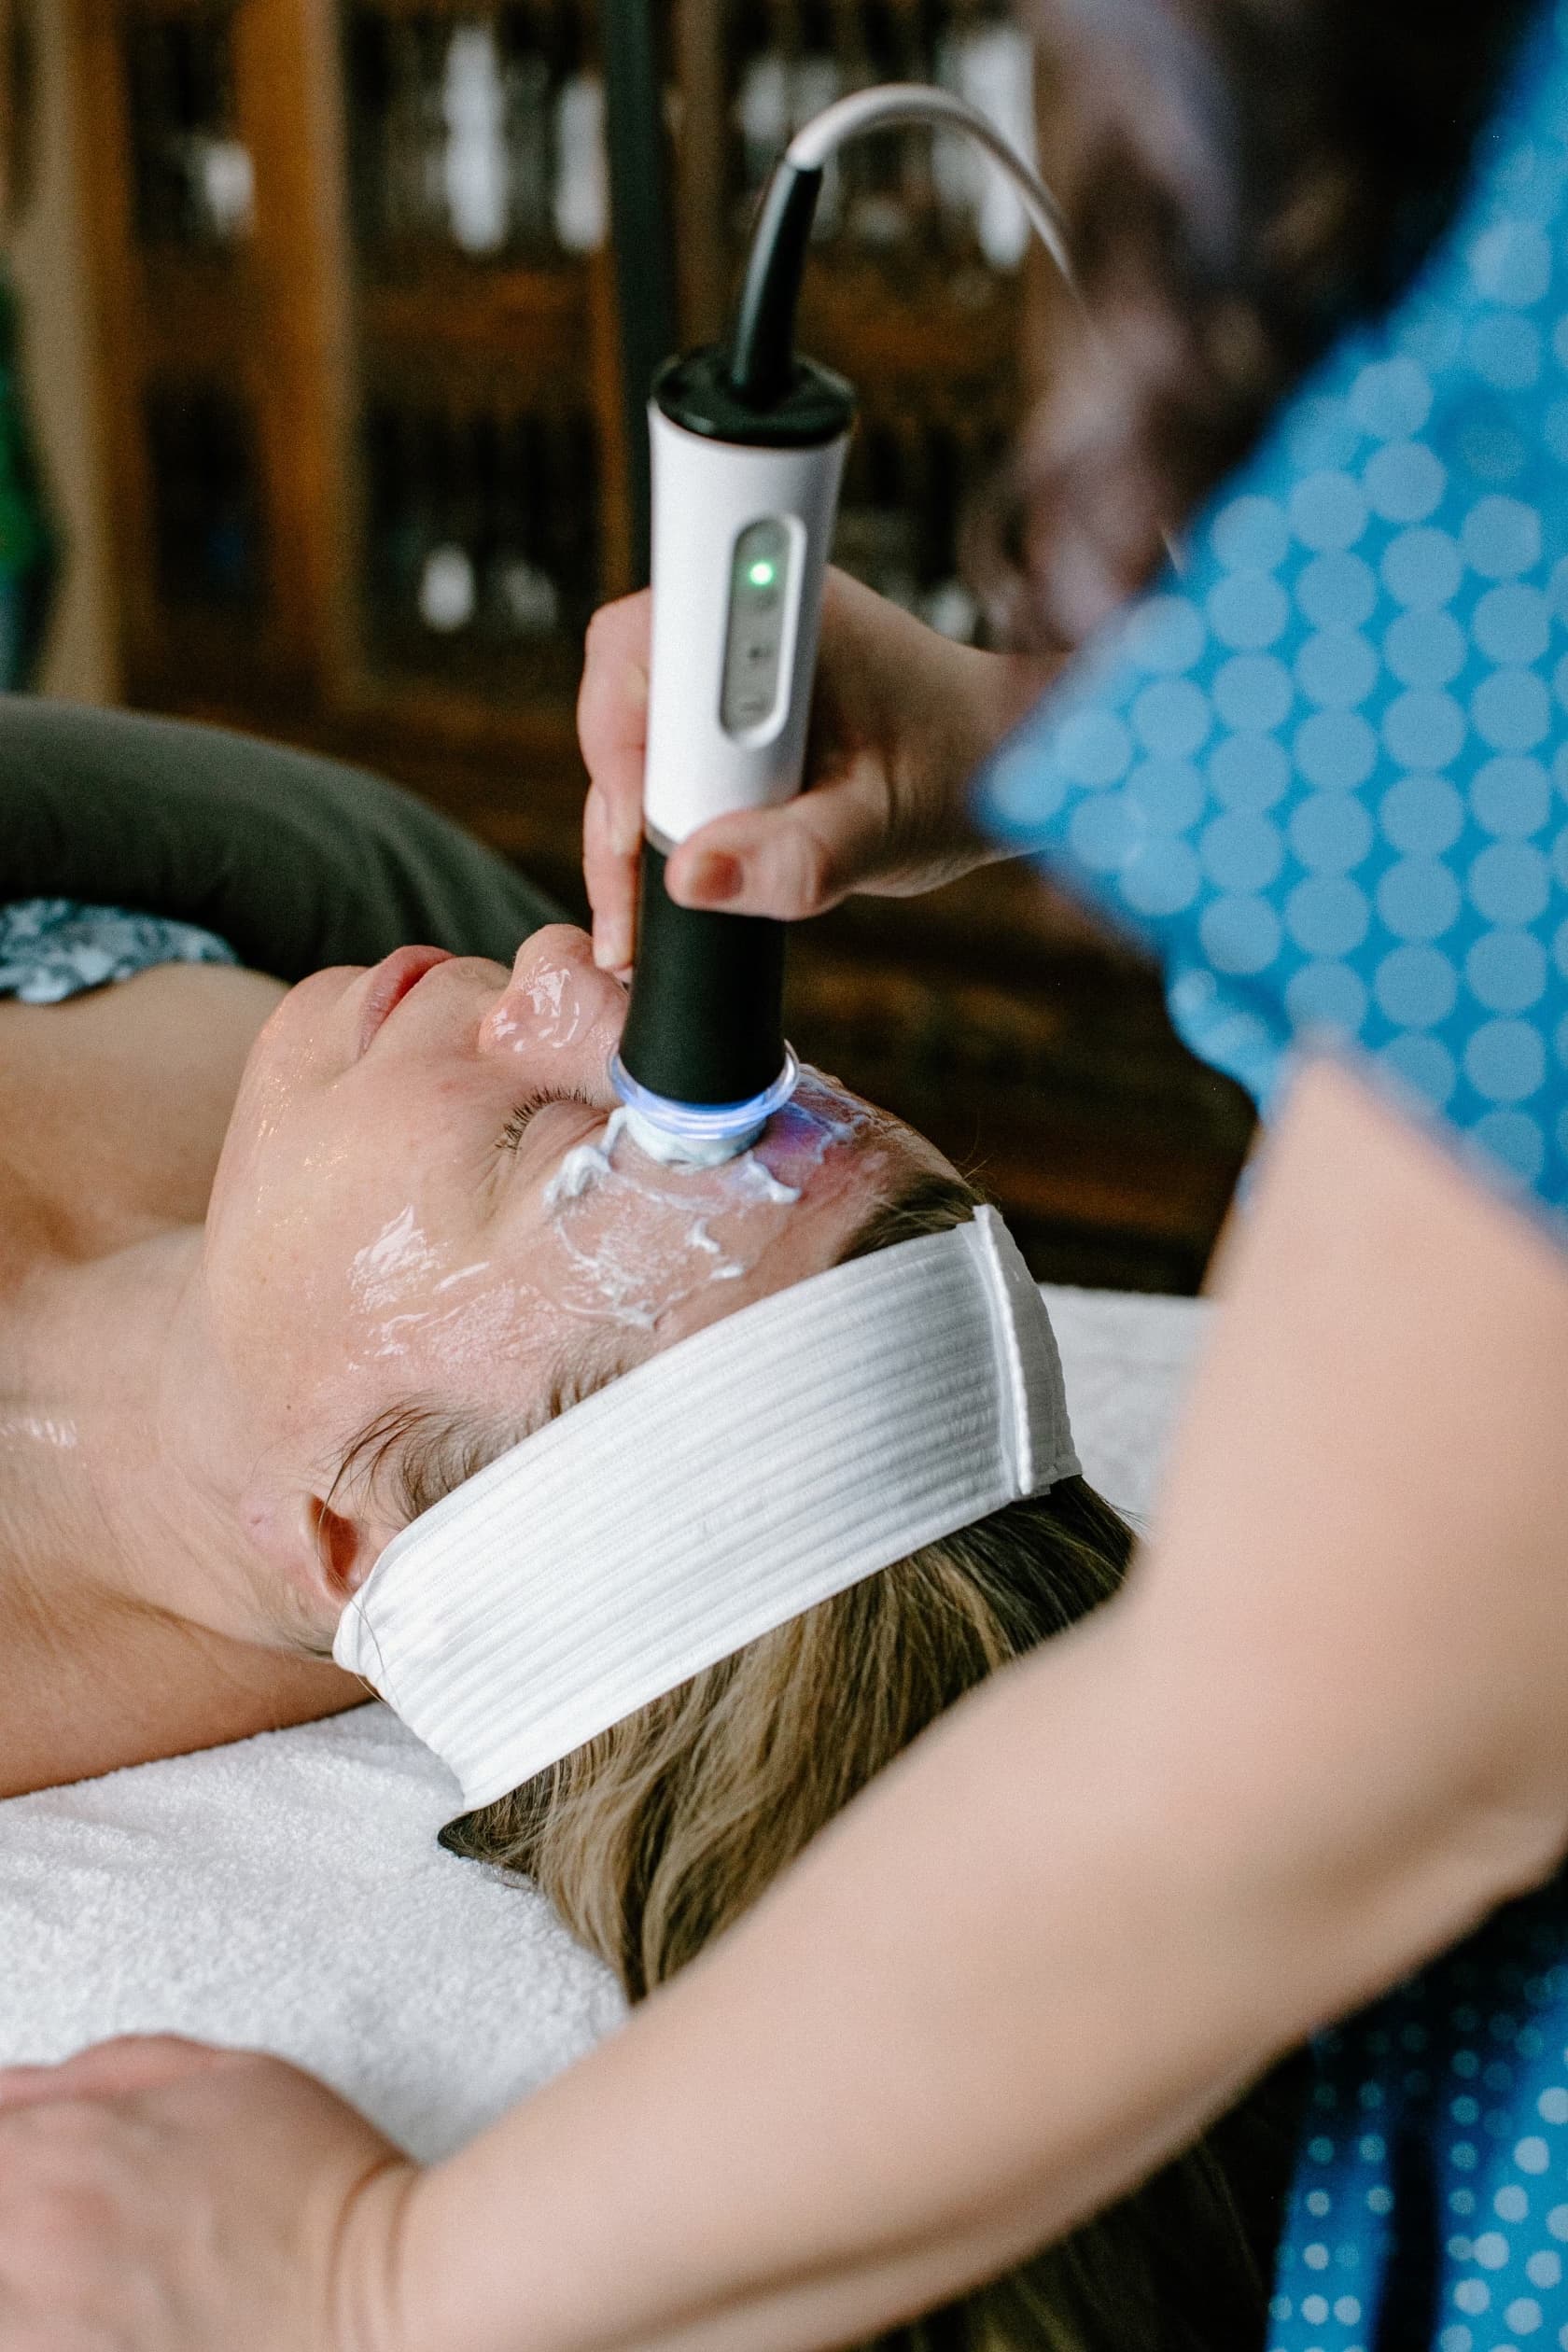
x=763, y=348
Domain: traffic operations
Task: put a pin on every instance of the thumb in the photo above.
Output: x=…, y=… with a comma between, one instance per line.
x=113, y=2069
x=790, y=862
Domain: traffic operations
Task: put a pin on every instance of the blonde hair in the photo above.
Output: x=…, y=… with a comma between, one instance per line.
x=658, y=1835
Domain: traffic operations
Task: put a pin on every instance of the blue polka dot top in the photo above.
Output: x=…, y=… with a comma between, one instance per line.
x=1323, y=771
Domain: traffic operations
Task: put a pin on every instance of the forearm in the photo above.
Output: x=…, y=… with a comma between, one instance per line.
x=916, y=2064
x=907, y=2070
x=1310, y=1747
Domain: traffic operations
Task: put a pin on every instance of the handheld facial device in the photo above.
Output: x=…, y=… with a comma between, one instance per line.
x=747, y=454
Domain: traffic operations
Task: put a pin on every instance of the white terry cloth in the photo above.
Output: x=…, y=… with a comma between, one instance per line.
x=1125, y=1359
x=286, y=1892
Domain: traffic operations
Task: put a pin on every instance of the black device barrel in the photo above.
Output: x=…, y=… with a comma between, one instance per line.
x=705, y=1024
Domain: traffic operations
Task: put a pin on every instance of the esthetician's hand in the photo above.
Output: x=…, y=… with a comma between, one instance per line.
x=159, y=2196
x=903, y=718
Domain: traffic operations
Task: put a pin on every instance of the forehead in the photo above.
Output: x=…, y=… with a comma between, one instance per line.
x=578, y=1281
x=646, y=1253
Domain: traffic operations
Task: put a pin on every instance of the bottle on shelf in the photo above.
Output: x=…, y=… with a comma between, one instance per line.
x=447, y=595
x=475, y=109
x=898, y=195
x=479, y=134
x=581, y=208
x=763, y=109
x=194, y=177
x=480, y=540
x=989, y=62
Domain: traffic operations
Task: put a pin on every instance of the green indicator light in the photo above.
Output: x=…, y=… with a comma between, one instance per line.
x=761, y=575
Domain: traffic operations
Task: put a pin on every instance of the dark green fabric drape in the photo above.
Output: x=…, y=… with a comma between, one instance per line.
x=296, y=862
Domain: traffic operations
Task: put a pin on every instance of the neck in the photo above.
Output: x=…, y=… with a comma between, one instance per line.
x=104, y=1497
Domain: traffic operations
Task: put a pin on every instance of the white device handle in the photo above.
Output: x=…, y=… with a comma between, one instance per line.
x=741, y=539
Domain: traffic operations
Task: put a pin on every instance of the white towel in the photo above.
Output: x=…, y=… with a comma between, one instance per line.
x=1125, y=1362
x=286, y=1892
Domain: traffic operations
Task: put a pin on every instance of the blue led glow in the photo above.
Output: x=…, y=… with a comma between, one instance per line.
x=706, y=1123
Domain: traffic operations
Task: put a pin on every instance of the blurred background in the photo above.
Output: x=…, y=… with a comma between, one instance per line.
x=334, y=319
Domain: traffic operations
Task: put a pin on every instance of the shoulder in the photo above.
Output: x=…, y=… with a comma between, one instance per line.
x=114, y=1106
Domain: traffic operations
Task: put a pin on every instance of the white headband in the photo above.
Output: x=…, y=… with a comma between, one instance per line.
x=725, y=1486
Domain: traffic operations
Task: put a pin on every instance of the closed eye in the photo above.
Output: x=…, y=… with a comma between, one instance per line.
x=522, y=1116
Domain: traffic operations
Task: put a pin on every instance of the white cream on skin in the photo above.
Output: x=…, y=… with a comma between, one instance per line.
x=625, y=1239
x=640, y=1250
x=585, y=1163
x=389, y=1267
x=397, y=1265
x=615, y=1210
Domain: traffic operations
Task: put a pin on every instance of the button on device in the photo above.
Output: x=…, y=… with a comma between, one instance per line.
x=760, y=581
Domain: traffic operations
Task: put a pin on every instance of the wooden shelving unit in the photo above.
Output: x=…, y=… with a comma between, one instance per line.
x=368, y=473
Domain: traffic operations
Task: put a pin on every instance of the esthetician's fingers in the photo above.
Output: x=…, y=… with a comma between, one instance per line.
x=612, y=728
x=901, y=721
x=110, y=2069
x=610, y=871
x=788, y=862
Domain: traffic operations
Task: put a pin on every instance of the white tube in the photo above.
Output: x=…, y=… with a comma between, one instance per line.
x=897, y=106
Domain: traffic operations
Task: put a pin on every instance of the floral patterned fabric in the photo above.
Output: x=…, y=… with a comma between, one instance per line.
x=54, y=948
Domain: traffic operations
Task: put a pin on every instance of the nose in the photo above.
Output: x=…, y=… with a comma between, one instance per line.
x=557, y=1002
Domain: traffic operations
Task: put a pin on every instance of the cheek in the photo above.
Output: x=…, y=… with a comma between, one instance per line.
x=416, y=1306
x=331, y=1254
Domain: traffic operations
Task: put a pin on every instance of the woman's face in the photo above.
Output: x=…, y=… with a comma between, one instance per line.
x=390, y=1221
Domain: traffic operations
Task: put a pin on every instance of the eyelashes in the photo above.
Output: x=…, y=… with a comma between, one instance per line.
x=522, y=1116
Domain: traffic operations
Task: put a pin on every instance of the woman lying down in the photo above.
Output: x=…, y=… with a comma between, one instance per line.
x=667, y=1504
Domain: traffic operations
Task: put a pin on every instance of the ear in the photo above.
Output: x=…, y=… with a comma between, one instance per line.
x=323, y=1553
x=347, y=1549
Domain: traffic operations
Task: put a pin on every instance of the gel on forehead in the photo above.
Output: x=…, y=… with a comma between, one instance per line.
x=728, y=1485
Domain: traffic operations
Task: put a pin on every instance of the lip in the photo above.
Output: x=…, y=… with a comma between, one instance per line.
x=391, y=980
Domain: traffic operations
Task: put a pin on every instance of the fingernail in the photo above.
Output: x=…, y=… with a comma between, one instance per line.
x=713, y=877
